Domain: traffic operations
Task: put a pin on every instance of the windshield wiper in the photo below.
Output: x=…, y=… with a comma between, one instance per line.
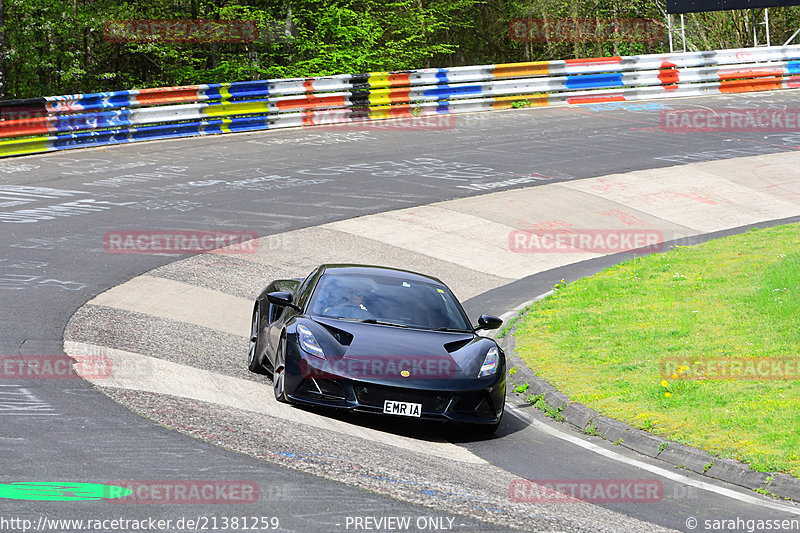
x=374, y=321
x=454, y=330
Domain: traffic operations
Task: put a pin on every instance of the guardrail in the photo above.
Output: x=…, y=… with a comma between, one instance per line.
x=81, y=120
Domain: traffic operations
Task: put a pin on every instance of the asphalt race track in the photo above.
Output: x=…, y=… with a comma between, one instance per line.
x=274, y=184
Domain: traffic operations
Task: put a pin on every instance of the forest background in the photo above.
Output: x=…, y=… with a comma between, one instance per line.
x=53, y=47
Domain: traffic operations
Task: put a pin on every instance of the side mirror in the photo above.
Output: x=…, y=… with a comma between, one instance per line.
x=488, y=322
x=281, y=299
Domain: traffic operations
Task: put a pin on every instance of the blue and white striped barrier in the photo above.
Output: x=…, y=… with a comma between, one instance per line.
x=61, y=122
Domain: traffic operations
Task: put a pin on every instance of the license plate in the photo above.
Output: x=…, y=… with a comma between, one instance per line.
x=402, y=408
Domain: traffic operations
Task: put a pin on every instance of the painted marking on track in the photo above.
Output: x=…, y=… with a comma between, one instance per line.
x=132, y=371
x=505, y=317
x=674, y=476
x=181, y=302
x=19, y=401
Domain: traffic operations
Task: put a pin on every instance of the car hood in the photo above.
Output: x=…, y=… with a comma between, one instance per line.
x=423, y=353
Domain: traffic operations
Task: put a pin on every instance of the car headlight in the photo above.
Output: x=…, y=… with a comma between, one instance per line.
x=308, y=343
x=491, y=363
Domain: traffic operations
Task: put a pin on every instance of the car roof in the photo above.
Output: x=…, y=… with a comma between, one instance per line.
x=348, y=269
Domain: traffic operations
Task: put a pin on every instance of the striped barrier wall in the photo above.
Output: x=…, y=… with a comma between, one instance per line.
x=56, y=104
x=71, y=121
x=765, y=74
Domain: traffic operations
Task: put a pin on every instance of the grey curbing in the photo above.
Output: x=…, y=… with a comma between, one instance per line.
x=579, y=415
x=612, y=430
x=737, y=473
x=784, y=486
x=556, y=399
x=644, y=442
x=688, y=457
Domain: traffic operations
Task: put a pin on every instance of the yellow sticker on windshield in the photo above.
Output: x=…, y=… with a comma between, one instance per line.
x=440, y=290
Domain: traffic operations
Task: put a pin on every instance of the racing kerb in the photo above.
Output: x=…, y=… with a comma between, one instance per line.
x=463, y=241
x=96, y=119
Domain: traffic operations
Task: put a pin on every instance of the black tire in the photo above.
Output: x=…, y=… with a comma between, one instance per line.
x=253, y=365
x=488, y=429
x=278, y=384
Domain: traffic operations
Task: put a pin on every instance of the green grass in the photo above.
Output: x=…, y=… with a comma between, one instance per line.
x=600, y=340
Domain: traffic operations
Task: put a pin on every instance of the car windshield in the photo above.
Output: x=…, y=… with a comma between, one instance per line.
x=387, y=299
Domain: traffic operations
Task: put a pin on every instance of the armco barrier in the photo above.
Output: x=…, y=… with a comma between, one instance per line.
x=61, y=122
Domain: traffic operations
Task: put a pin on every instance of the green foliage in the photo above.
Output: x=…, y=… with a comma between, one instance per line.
x=609, y=341
x=540, y=403
x=60, y=47
x=510, y=323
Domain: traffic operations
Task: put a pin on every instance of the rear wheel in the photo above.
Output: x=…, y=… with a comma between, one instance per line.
x=278, y=375
x=253, y=364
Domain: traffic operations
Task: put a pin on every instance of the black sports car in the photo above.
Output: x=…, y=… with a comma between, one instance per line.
x=378, y=340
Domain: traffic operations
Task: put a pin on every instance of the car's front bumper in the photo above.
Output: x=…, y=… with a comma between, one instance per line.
x=479, y=401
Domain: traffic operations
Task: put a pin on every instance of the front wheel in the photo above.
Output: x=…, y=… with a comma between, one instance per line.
x=278, y=375
x=488, y=429
x=253, y=364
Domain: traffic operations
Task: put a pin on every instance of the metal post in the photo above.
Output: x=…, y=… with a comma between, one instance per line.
x=766, y=23
x=2, y=51
x=669, y=30
x=792, y=37
x=683, y=33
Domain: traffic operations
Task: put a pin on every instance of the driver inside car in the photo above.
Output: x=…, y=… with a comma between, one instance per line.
x=353, y=306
